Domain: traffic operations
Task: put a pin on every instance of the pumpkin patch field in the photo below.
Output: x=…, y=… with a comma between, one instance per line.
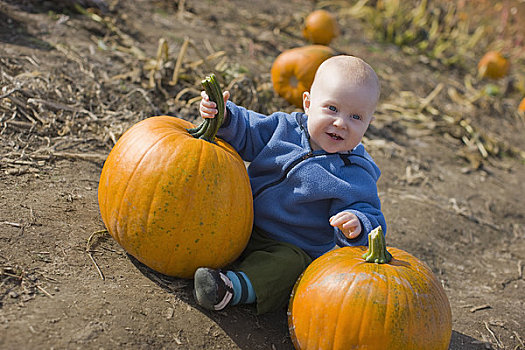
x=448, y=136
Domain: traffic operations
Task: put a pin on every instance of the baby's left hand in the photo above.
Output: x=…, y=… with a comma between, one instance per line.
x=348, y=223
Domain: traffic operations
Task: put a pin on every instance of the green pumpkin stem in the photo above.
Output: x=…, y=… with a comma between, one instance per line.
x=199, y=128
x=209, y=127
x=377, y=252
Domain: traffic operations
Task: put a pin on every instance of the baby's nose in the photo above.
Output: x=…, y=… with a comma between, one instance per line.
x=339, y=122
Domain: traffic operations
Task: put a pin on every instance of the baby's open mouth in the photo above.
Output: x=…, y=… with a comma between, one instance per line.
x=334, y=136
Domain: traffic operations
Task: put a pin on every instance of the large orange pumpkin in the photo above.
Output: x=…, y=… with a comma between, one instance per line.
x=293, y=71
x=493, y=65
x=342, y=301
x=320, y=27
x=174, y=201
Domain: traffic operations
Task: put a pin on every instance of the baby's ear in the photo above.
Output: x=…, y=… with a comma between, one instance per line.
x=306, y=101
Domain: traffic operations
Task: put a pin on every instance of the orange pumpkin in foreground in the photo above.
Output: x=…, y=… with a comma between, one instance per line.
x=320, y=27
x=342, y=301
x=293, y=71
x=493, y=65
x=174, y=201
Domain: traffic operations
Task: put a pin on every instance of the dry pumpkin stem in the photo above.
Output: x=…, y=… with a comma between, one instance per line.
x=89, y=245
x=93, y=238
x=377, y=252
x=100, y=273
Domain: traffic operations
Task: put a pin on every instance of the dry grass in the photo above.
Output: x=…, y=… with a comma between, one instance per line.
x=92, y=108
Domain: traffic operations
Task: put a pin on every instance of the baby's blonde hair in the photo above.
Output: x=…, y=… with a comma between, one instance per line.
x=354, y=69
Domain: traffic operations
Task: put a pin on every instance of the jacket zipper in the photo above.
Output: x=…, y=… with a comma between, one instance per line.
x=286, y=171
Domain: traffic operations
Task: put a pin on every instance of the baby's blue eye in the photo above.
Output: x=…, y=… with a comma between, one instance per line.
x=332, y=108
x=355, y=116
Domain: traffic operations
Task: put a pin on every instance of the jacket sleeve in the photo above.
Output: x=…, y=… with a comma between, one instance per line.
x=365, y=204
x=247, y=131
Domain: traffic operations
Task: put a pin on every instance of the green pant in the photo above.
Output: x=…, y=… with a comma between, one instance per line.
x=273, y=267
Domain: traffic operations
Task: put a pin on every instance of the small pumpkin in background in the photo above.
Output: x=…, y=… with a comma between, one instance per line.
x=382, y=299
x=293, y=71
x=176, y=197
x=493, y=65
x=521, y=107
x=320, y=27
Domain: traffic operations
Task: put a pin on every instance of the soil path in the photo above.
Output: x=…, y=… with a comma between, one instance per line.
x=72, y=83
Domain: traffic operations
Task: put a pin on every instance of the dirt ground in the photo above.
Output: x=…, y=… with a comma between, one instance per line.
x=452, y=185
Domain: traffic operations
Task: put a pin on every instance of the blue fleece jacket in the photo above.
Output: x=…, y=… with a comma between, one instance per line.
x=295, y=189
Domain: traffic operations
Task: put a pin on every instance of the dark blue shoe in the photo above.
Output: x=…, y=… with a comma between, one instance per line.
x=213, y=290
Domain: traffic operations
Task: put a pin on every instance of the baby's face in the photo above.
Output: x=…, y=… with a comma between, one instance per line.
x=338, y=112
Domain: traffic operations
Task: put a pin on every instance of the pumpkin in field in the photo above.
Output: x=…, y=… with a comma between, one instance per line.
x=174, y=199
x=521, y=106
x=379, y=300
x=493, y=65
x=293, y=71
x=320, y=27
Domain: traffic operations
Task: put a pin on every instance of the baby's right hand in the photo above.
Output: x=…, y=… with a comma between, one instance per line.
x=208, y=109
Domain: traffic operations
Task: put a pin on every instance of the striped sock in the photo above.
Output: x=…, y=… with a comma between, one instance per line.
x=243, y=292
